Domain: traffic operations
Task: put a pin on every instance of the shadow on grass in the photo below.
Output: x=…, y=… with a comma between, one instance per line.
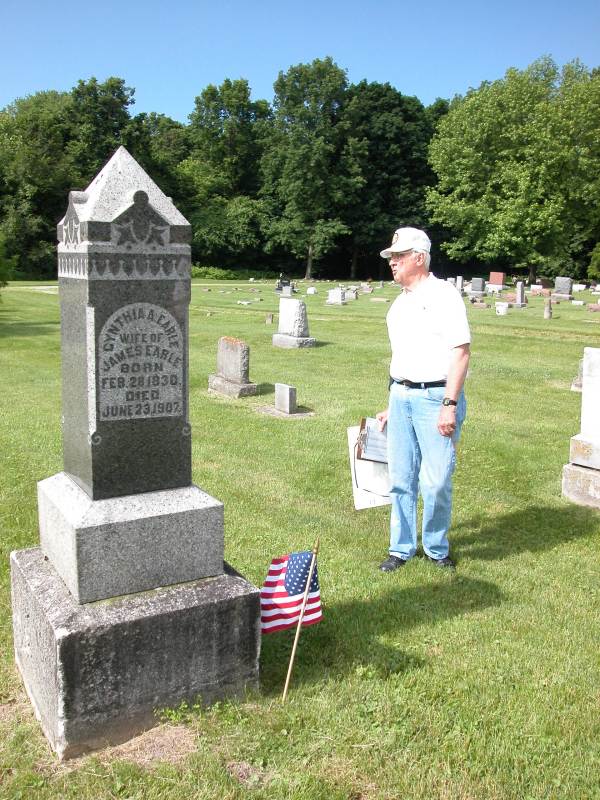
x=265, y=388
x=348, y=640
x=21, y=329
x=533, y=529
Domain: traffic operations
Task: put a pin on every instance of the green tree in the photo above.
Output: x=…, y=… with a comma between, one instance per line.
x=301, y=169
x=36, y=174
x=99, y=117
x=222, y=173
x=517, y=168
x=593, y=270
x=7, y=263
x=384, y=169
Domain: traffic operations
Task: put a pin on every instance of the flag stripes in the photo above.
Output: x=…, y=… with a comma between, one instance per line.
x=281, y=608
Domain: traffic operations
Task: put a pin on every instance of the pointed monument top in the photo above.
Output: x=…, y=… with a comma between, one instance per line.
x=112, y=192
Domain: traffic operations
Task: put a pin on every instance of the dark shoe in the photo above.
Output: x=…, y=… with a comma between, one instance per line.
x=391, y=563
x=446, y=562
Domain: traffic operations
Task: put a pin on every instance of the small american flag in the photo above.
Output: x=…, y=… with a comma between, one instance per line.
x=283, y=592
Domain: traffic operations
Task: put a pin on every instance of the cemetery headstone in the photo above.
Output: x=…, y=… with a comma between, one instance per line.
x=497, y=279
x=593, y=307
x=579, y=287
x=502, y=309
x=336, y=297
x=269, y=319
x=285, y=398
x=287, y=291
x=460, y=284
x=548, y=308
x=451, y=280
x=293, y=325
x=311, y=290
x=581, y=477
x=563, y=289
x=124, y=517
x=477, y=289
x=233, y=367
x=520, y=299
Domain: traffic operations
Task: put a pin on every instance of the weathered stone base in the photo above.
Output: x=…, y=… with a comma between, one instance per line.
x=584, y=452
x=271, y=411
x=106, y=548
x=477, y=295
x=96, y=673
x=222, y=386
x=519, y=305
x=283, y=340
x=558, y=296
x=581, y=485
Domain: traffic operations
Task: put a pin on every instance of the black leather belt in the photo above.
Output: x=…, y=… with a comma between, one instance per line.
x=421, y=385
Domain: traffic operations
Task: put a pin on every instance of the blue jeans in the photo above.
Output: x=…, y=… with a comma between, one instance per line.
x=420, y=458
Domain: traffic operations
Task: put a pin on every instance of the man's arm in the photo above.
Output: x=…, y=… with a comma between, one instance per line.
x=454, y=383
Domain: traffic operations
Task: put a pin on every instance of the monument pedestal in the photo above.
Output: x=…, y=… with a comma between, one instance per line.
x=284, y=340
x=216, y=383
x=581, y=485
x=107, y=548
x=97, y=673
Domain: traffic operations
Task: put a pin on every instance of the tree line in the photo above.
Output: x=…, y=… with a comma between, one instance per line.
x=504, y=177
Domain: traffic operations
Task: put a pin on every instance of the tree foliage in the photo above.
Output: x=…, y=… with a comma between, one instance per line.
x=514, y=164
x=303, y=176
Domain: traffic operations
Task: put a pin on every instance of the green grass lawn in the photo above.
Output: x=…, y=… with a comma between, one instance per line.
x=416, y=684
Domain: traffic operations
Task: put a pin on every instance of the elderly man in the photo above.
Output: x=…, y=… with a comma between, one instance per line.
x=430, y=340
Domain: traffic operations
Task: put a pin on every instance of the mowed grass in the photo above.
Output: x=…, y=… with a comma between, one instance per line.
x=418, y=684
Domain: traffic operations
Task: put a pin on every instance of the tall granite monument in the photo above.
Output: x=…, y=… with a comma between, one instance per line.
x=127, y=606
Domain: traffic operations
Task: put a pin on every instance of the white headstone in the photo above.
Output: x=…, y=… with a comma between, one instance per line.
x=336, y=297
x=285, y=398
x=293, y=324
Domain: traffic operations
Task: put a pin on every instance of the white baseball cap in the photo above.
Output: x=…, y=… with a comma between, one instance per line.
x=407, y=239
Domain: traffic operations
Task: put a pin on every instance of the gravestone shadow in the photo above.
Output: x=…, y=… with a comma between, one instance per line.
x=265, y=389
x=349, y=637
x=532, y=529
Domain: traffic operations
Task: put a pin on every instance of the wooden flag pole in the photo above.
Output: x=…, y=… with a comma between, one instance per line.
x=299, y=626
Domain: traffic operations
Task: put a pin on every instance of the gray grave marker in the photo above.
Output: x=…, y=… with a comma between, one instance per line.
x=285, y=398
x=124, y=517
x=293, y=325
x=233, y=367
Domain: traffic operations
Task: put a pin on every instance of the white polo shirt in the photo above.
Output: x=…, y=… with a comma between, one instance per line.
x=424, y=325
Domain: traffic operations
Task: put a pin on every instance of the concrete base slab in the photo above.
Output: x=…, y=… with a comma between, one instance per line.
x=271, y=411
x=581, y=485
x=96, y=673
x=559, y=296
x=283, y=340
x=583, y=451
x=106, y=548
x=229, y=388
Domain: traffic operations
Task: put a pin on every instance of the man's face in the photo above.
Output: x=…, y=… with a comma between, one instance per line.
x=405, y=266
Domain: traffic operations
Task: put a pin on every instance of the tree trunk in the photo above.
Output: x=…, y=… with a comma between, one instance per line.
x=532, y=274
x=354, y=263
x=309, y=260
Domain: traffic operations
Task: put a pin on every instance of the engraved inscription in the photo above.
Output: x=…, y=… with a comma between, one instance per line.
x=140, y=364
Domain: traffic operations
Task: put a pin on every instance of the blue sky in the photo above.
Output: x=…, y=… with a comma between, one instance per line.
x=169, y=51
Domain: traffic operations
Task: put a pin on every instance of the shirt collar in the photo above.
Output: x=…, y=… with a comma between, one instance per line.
x=420, y=287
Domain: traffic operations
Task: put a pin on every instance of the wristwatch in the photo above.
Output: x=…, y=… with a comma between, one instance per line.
x=448, y=402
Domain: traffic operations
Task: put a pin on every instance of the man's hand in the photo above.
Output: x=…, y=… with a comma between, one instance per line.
x=446, y=420
x=382, y=418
